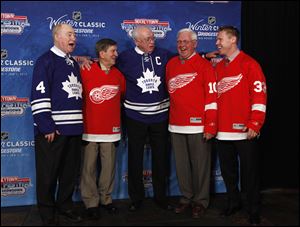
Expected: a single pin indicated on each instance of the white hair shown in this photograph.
(193, 34)
(136, 31)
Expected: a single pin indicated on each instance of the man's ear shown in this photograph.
(135, 42)
(195, 44)
(101, 54)
(234, 39)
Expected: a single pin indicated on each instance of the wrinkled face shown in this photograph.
(65, 39)
(185, 45)
(145, 40)
(225, 43)
(108, 57)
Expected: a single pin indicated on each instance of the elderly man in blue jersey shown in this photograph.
(56, 102)
(146, 109)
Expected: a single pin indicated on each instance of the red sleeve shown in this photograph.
(258, 96)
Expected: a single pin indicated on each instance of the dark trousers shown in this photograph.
(247, 151)
(158, 139)
(56, 162)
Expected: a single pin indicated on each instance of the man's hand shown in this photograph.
(251, 134)
(207, 136)
(212, 54)
(84, 62)
(50, 137)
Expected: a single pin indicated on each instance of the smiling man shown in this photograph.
(56, 102)
(103, 88)
(146, 109)
(242, 97)
(192, 122)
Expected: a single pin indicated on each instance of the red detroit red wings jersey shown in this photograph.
(101, 104)
(242, 97)
(191, 85)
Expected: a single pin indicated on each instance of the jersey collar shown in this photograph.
(58, 52)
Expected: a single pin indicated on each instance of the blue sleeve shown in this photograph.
(41, 96)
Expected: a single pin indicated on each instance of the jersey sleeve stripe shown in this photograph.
(40, 111)
(259, 107)
(40, 100)
(43, 105)
(63, 117)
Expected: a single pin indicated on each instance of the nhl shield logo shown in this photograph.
(4, 54)
(4, 135)
(211, 20)
(76, 15)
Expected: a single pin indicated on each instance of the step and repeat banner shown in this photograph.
(26, 34)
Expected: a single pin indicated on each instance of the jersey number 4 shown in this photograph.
(40, 87)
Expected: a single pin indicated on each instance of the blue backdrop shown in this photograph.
(26, 34)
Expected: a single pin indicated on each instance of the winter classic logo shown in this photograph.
(13, 67)
(12, 24)
(159, 28)
(205, 28)
(81, 28)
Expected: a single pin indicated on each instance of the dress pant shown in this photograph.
(57, 171)
(93, 193)
(193, 167)
(240, 155)
(158, 138)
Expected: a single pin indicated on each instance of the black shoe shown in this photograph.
(71, 216)
(254, 219)
(134, 206)
(92, 213)
(164, 205)
(50, 222)
(110, 208)
(230, 211)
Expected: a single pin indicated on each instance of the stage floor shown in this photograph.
(279, 208)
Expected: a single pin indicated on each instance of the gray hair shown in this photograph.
(57, 28)
(193, 34)
(136, 31)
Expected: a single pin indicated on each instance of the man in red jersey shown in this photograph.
(241, 113)
(103, 87)
(192, 121)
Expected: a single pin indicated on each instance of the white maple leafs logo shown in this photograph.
(228, 83)
(180, 81)
(73, 87)
(149, 82)
(105, 92)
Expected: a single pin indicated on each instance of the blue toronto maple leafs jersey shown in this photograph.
(56, 94)
(146, 97)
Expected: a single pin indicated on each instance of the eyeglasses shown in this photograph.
(184, 42)
(149, 39)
